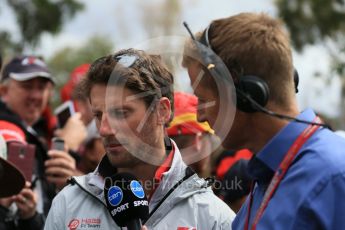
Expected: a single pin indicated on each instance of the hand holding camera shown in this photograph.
(60, 166)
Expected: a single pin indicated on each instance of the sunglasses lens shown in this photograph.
(126, 60)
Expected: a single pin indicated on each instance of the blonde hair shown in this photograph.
(253, 44)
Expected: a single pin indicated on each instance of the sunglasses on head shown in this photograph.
(126, 60)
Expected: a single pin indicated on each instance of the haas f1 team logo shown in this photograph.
(73, 224)
(84, 223)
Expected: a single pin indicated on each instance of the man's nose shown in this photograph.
(36, 93)
(105, 129)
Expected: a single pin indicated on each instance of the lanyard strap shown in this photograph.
(188, 173)
(280, 173)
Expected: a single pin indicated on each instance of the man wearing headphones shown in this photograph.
(299, 165)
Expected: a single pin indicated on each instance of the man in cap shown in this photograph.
(11, 179)
(26, 87)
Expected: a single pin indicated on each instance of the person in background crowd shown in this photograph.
(18, 201)
(232, 174)
(132, 128)
(91, 149)
(11, 179)
(12, 183)
(298, 165)
(196, 140)
(25, 90)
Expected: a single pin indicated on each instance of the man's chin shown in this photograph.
(31, 120)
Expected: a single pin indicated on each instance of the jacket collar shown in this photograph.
(94, 183)
(168, 178)
(168, 174)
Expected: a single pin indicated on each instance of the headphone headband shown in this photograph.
(205, 39)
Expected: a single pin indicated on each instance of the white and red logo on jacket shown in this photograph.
(186, 228)
(73, 224)
(84, 223)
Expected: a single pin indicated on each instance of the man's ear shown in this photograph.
(163, 110)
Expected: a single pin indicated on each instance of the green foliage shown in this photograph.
(312, 21)
(39, 16)
(319, 22)
(7, 46)
(65, 60)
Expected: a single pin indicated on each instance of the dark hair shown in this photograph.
(146, 74)
(78, 92)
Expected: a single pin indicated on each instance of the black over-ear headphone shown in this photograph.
(247, 86)
(252, 92)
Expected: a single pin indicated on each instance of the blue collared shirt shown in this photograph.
(312, 193)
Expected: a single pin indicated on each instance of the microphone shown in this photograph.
(126, 200)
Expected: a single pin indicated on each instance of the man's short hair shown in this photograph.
(147, 74)
(253, 44)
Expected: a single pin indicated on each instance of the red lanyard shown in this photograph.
(279, 174)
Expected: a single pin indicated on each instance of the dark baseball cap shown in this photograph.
(23, 68)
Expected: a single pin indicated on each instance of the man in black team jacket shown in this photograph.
(26, 86)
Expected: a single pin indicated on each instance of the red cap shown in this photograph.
(11, 132)
(77, 74)
(185, 120)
